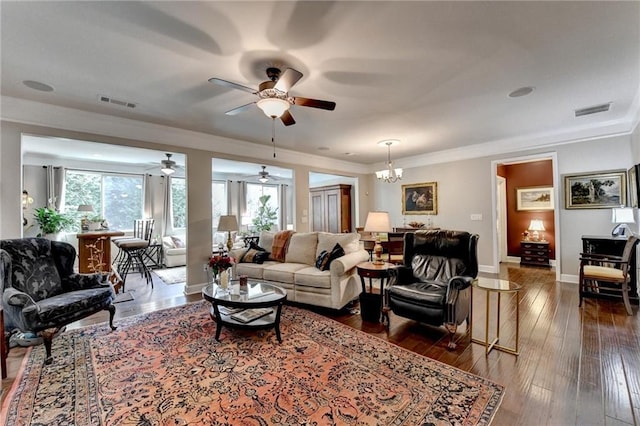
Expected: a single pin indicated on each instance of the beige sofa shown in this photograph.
(175, 250)
(333, 288)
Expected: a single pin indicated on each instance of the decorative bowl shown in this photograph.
(416, 224)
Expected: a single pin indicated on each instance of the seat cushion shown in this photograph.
(313, 277)
(430, 293)
(282, 272)
(58, 309)
(253, 270)
(603, 273)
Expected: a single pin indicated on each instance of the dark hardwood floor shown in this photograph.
(577, 366)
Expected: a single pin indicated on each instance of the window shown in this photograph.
(117, 198)
(254, 192)
(218, 201)
(179, 202)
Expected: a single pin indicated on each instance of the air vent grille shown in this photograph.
(593, 110)
(111, 100)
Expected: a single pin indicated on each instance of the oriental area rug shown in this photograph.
(165, 368)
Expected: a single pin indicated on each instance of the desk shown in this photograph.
(102, 240)
(491, 285)
(370, 302)
(606, 244)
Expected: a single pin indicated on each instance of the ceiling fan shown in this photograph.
(273, 94)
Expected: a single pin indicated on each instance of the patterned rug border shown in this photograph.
(492, 404)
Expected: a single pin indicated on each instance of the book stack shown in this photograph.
(249, 315)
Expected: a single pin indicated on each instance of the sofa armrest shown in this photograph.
(341, 265)
(460, 282)
(81, 281)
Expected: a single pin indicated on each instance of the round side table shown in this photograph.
(371, 303)
(493, 285)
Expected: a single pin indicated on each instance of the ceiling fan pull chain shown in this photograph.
(273, 135)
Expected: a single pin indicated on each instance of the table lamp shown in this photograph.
(228, 223)
(621, 217)
(84, 222)
(377, 222)
(536, 226)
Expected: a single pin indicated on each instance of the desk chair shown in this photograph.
(606, 274)
(395, 247)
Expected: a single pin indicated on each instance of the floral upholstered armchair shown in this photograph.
(40, 291)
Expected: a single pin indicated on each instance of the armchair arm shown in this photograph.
(599, 261)
(460, 282)
(12, 296)
(341, 265)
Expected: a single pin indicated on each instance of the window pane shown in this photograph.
(218, 201)
(82, 188)
(123, 197)
(179, 202)
(254, 192)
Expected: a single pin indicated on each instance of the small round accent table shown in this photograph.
(493, 285)
(371, 303)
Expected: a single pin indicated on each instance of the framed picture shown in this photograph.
(420, 198)
(602, 190)
(633, 175)
(534, 199)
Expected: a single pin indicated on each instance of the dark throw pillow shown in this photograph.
(261, 256)
(255, 254)
(336, 252)
(322, 259)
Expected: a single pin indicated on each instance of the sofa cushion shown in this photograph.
(266, 240)
(178, 242)
(282, 272)
(313, 277)
(302, 248)
(252, 270)
(167, 242)
(327, 241)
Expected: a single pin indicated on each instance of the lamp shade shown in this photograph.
(228, 223)
(622, 215)
(536, 225)
(85, 208)
(378, 222)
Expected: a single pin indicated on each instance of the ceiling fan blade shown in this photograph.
(240, 109)
(232, 85)
(288, 78)
(314, 103)
(287, 119)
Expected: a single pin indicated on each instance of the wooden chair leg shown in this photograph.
(625, 298)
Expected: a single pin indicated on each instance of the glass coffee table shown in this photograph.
(257, 307)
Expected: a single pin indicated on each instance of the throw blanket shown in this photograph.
(280, 244)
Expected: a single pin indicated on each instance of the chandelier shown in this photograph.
(390, 175)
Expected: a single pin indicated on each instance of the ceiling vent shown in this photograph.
(593, 109)
(110, 100)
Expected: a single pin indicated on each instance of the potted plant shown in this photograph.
(51, 222)
(265, 216)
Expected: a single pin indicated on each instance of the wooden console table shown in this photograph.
(100, 238)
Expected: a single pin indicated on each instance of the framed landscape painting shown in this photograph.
(534, 199)
(602, 190)
(420, 198)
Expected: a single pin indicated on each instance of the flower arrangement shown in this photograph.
(219, 263)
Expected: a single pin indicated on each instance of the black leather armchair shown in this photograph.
(40, 291)
(433, 285)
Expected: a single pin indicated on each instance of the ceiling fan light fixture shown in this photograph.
(273, 107)
(168, 165)
(263, 179)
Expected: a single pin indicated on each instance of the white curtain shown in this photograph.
(148, 197)
(167, 212)
(55, 187)
(282, 205)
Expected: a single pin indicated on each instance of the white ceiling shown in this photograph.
(435, 75)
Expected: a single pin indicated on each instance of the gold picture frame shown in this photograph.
(537, 198)
(420, 198)
(602, 190)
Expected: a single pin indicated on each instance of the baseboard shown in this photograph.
(568, 278)
(194, 288)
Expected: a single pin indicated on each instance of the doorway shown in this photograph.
(511, 178)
